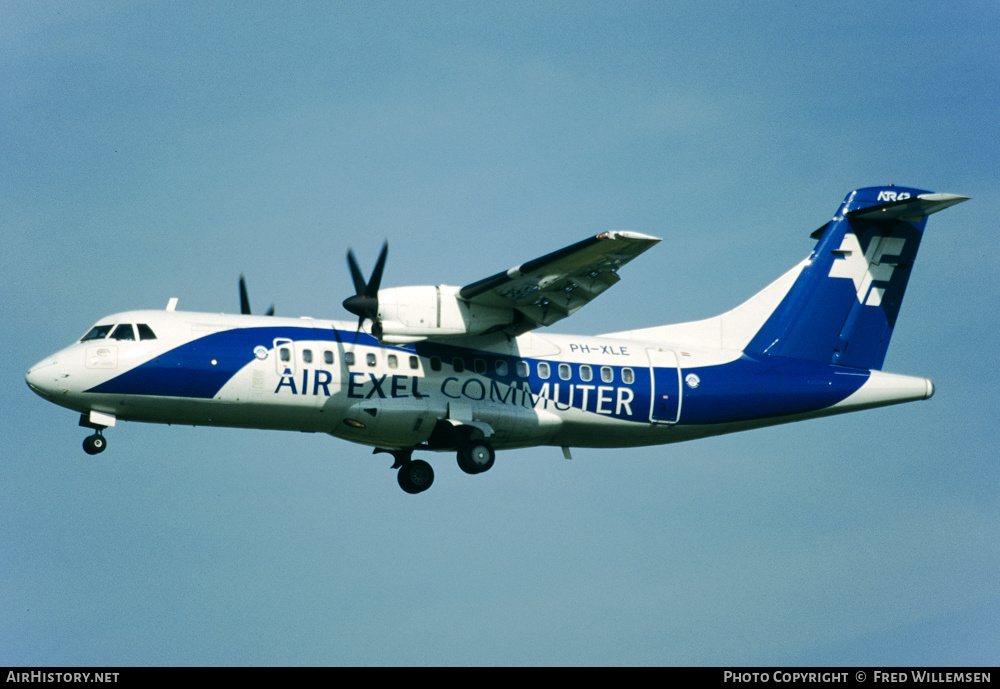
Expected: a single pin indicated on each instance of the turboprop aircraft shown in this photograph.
(468, 370)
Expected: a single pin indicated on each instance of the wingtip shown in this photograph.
(626, 234)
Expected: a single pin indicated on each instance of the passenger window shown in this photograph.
(586, 373)
(458, 364)
(543, 370)
(286, 354)
(564, 372)
(522, 369)
(435, 363)
(627, 376)
(480, 366)
(145, 332)
(393, 361)
(123, 332)
(370, 359)
(349, 358)
(607, 375)
(414, 363)
(501, 367)
(328, 357)
(97, 333)
(307, 356)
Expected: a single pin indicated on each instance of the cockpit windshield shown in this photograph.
(99, 332)
(123, 332)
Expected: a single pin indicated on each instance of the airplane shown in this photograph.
(467, 369)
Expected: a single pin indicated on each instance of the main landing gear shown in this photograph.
(476, 456)
(416, 475)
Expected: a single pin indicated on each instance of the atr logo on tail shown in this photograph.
(875, 266)
(892, 196)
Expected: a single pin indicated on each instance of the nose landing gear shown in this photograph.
(95, 444)
(96, 421)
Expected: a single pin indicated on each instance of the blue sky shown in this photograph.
(153, 150)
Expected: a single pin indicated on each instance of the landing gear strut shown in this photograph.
(414, 475)
(95, 444)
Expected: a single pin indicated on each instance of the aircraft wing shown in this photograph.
(549, 288)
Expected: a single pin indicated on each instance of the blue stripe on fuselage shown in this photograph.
(747, 388)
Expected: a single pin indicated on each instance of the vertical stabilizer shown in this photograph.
(843, 307)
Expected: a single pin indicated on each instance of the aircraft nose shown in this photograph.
(43, 378)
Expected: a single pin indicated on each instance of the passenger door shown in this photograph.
(665, 386)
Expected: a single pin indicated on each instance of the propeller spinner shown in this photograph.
(364, 303)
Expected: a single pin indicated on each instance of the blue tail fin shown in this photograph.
(843, 307)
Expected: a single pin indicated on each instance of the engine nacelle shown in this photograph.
(411, 314)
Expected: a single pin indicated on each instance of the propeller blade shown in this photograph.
(359, 280)
(364, 302)
(376, 280)
(244, 299)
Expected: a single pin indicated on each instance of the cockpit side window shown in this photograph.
(123, 332)
(145, 332)
(98, 332)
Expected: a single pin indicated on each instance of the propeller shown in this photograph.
(245, 300)
(364, 303)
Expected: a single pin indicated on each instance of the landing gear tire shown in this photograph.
(476, 457)
(94, 444)
(415, 476)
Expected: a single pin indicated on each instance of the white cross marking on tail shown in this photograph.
(864, 269)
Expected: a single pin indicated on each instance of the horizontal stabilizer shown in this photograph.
(909, 209)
